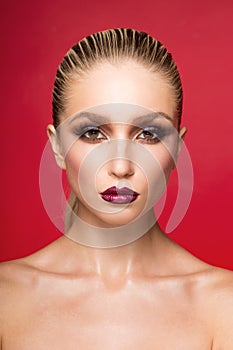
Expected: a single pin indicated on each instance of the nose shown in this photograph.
(119, 164)
(120, 168)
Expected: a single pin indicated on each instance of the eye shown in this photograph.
(92, 135)
(150, 135)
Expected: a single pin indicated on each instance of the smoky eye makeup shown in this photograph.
(89, 132)
(147, 135)
(153, 134)
(150, 128)
(159, 132)
(82, 129)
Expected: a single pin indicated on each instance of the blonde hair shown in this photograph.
(113, 45)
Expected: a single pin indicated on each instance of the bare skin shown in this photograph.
(149, 294)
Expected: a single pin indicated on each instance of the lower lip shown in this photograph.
(119, 199)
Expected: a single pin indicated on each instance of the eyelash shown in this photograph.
(84, 131)
(155, 134)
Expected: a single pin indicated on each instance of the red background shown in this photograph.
(34, 37)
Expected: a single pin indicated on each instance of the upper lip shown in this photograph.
(122, 191)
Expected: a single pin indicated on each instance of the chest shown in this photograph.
(96, 319)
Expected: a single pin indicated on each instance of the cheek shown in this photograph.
(81, 168)
(167, 165)
(158, 174)
(165, 158)
(73, 162)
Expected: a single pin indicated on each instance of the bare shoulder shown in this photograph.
(221, 286)
(14, 282)
(15, 275)
(25, 274)
(20, 281)
(219, 298)
(12, 272)
(224, 284)
(212, 289)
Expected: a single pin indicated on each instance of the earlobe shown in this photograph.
(53, 138)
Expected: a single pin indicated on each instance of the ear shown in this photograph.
(53, 138)
(182, 134)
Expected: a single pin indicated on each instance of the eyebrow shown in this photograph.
(100, 120)
(151, 116)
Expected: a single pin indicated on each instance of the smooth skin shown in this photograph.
(149, 294)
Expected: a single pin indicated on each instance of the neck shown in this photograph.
(111, 237)
(117, 253)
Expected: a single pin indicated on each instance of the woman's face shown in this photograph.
(119, 140)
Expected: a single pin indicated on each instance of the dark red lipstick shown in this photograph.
(117, 195)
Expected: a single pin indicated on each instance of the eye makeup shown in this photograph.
(152, 134)
(91, 134)
(148, 134)
(151, 128)
(88, 131)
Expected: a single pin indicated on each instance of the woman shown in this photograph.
(117, 106)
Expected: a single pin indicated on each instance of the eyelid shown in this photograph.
(159, 130)
(83, 129)
(152, 129)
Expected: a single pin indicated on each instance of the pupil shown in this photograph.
(92, 133)
(148, 134)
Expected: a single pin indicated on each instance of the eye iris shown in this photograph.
(92, 134)
(149, 135)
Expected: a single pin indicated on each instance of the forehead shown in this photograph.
(125, 83)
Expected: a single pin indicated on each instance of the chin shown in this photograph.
(123, 217)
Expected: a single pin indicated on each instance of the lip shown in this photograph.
(118, 195)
